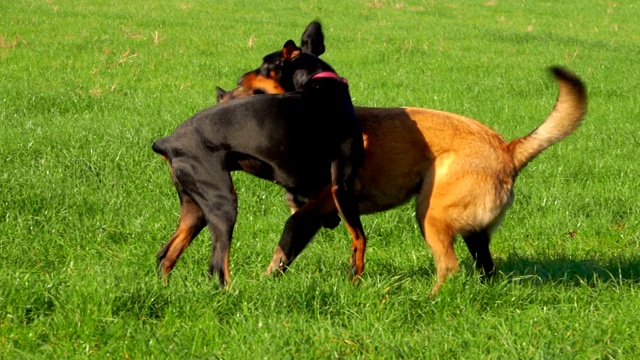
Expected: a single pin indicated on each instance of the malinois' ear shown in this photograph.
(312, 41)
(290, 51)
(220, 93)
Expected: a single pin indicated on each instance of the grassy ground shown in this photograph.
(86, 86)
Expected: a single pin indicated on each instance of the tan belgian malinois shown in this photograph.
(461, 172)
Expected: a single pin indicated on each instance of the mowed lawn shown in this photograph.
(87, 86)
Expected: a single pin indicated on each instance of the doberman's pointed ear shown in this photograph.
(312, 41)
(220, 93)
(290, 51)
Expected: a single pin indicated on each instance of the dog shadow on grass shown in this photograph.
(567, 270)
(539, 270)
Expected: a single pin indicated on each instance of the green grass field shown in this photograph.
(87, 86)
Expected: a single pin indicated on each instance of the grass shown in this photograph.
(86, 86)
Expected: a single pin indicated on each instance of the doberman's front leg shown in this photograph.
(295, 202)
(343, 173)
(300, 229)
(348, 207)
(329, 221)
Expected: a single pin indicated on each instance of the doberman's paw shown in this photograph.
(278, 264)
(353, 273)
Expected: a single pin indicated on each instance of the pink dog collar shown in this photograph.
(329, 74)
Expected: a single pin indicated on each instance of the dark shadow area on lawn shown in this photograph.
(565, 269)
(561, 268)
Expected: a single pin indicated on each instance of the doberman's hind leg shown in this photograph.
(221, 219)
(209, 185)
(220, 210)
(189, 226)
(478, 245)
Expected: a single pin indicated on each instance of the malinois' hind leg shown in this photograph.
(190, 224)
(478, 245)
(439, 235)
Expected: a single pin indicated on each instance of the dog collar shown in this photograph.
(329, 74)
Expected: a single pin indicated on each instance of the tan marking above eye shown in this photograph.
(267, 85)
(248, 79)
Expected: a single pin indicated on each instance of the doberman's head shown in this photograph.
(285, 70)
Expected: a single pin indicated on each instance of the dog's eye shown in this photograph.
(258, 92)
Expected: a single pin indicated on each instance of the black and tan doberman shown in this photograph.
(308, 141)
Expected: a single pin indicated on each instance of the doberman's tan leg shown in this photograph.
(349, 211)
(190, 224)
